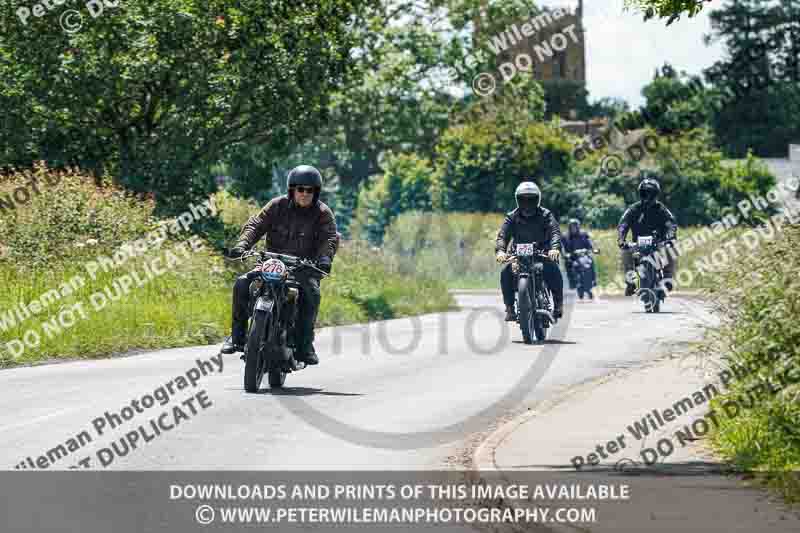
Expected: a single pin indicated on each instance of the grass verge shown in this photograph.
(758, 297)
(83, 313)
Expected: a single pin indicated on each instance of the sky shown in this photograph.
(623, 51)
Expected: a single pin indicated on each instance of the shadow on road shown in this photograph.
(305, 391)
(659, 313)
(685, 468)
(548, 341)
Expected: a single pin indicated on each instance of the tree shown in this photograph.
(763, 43)
(667, 9)
(404, 186)
(482, 158)
(675, 102)
(606, 107)
(154, 92)
(404, 92)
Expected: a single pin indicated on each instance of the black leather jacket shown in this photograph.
(641, 220)
(542, 228)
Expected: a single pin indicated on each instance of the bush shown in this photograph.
(759, 300)
(405, 185)
(69, 212)
(189, 304)
(480, 164)
(604, 211)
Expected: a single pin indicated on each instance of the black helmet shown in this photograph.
(649, 189)
(528, 197)
(306, 176)
(574, 222)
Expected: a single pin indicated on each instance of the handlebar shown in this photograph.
(291, 260)
(632, 245)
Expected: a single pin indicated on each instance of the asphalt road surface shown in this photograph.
(399, 394)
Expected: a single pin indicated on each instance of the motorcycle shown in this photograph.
(649, 272)
(581, 269)
(534, 300)
(274, 304)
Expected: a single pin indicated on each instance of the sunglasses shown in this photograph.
(308, 190)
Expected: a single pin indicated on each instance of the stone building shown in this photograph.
(543, 38)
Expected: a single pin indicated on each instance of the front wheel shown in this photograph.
(541, 324)
(254, 359)
(277, 377)
(526, 311)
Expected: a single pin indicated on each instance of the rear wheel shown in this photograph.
(525, 309)
(254, 358)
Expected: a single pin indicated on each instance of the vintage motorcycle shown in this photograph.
(649, 272)
(581, 263)
(534, 300)
(271, 338)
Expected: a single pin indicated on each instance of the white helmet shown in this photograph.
(528, 197)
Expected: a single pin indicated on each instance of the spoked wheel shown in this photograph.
(648, 294)
(526, 313)
(276, 373)
(649, 300)
(254, 360)
(541, 324)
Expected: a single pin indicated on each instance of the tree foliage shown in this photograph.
(762, 69)
(156, 91)
(671, 10)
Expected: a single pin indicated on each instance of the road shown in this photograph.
(401, 394)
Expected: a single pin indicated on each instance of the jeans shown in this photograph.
(551, 274)
(309, 306)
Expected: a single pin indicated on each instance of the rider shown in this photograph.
(575, 239)
(530, 223)
(296, 224)
(643, 219)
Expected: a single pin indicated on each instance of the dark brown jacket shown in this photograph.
(308, 232)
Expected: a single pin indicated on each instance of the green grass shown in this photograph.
(189, 304)
(758, 298)
(431, 245)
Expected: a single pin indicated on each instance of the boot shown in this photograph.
(511, 315)
(630, 289)
(558, 308)
(237, 340)
(308, 356)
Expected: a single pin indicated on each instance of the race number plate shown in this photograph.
(273, 270)
(525, 249)
(645, 241)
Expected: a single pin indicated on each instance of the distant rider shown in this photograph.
(530, 223)
(643, 219)
(296, 224)
(576, 239)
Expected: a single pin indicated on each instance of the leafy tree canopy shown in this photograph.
(154, 92)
